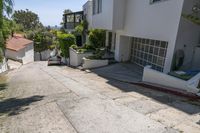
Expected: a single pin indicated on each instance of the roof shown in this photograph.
(17, 43)
(78, 12)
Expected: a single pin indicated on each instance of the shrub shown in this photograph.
(97, 38)
(89, 47)
(66, 41)
(75, 47)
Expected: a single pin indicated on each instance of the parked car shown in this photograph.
(56, 60)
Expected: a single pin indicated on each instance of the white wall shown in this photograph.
(155, 77)
(76, 59)
(188, 34)
(112, 16)
(3, 66)
(158, 21)
(119, 15)
(45, 55)
(87, 8)
(29, 54)
(25, 55)
(104, 20)
(187, 40)
(15, 55)
(123, 48)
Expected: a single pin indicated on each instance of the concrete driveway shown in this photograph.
(125, 72)
(40, 99)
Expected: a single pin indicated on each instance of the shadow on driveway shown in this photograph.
(14, 106)
(183, 104)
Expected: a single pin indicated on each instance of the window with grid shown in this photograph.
(149, 52)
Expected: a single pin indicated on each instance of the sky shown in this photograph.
(49, 11)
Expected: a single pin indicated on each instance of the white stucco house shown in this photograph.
(150, 32)
(141, 28)
(20, 49)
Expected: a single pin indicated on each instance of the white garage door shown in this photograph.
(149, 52)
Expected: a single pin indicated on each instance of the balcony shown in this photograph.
(71, 20)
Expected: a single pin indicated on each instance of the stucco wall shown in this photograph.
(188, 34)
(104, 20)
(29, 54)
(15, 55)
(158, 21)
(87, 8)
(155, 77)
(25, 55)
(123, 46)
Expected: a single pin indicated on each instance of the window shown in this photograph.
(149, 52)
(97, 6)
(155, 1)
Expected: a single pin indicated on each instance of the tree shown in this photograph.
(43, 40)
(5, 6)
(97, 38)
(66, 41)
(28, 19)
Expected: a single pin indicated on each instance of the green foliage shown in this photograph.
(97, 38)
(66, 41)
(82, 28)
(54, 45)
(192, 18)
(75, 47)
(98, 54)
(86, 48)
(28, 19)
(1, 58)
(7, 29)
(79, 30)
(1, 55)
(7, 6)
(42, 41)
(89, 47)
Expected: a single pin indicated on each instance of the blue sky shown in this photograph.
(49, 11)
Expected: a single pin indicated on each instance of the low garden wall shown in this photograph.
(159, 78)
(88, 63)
(76, 59)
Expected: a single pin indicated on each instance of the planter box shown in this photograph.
(88, 63)
(76, 59)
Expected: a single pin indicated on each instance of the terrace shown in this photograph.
(71, 20)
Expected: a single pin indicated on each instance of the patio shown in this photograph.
(126, 72)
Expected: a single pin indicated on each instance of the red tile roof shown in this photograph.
(17, 43)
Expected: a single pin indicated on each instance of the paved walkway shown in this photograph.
(126, 72)
(41, 99)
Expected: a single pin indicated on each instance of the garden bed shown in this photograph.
(76, 58)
